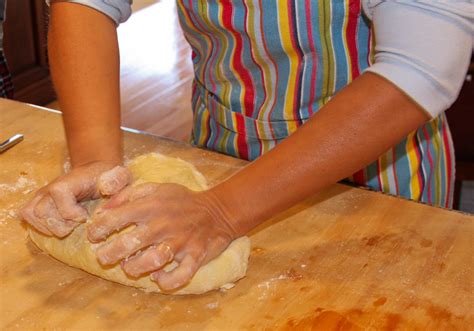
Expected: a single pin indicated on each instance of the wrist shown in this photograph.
(102, 164)
(101, 143)
(219, 211)
(233, 212)
(79, 159)
(81, 156)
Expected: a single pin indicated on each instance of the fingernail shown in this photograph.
(80, 219)
(95, 234)
(103, 259)
(100, 232)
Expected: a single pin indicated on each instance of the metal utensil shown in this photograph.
(10, 142)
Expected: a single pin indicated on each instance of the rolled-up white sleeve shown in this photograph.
(118, 10)
(423, 47)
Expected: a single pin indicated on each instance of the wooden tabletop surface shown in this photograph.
(346, 258)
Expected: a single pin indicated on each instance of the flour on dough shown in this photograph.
(76, 251)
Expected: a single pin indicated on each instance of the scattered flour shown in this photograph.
(267, 286)
(23, 183)
(227, 286)
(9, 212)
(67, 166)
(212, 305)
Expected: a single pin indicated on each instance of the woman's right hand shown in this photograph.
(55, 209)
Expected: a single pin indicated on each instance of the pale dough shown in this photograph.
(76, 251)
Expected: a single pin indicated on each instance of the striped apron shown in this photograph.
(263, 68)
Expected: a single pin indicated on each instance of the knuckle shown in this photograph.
(57, 189)
(159, 258)
(124, 173)
(113, 180)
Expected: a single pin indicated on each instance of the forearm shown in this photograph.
(84, 60)
(364, 120)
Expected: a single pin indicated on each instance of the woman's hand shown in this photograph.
(171, 223)
(55, 209)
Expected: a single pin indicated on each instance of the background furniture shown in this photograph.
(25, 31)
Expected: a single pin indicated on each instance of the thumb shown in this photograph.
(113, 181)
(66, 203)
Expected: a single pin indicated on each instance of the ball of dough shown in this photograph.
(76, 251)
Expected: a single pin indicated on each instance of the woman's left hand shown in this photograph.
(171, 223)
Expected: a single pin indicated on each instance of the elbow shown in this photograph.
(434, 86)
(451, 76)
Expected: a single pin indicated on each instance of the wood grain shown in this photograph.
(345, 259)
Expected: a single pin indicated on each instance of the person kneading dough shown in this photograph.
(311, 92)
(147, 171)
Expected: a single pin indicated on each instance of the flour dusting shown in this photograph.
(22, 184)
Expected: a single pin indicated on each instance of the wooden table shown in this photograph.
(347, 258)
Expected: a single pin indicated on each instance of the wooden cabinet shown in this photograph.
(25, 33)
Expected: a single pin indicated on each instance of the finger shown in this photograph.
(131, 193)
(66, 204)
(28, 214)
(106, 222)
(60, 228)
(151, 259)
(124, 245)
(112, 181)
(180, 276)
(46, 211)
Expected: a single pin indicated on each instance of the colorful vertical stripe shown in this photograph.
(264, 67)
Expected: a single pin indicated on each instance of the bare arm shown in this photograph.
(196, 227)
(360, 123)
(84, 62)
(84, 58)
